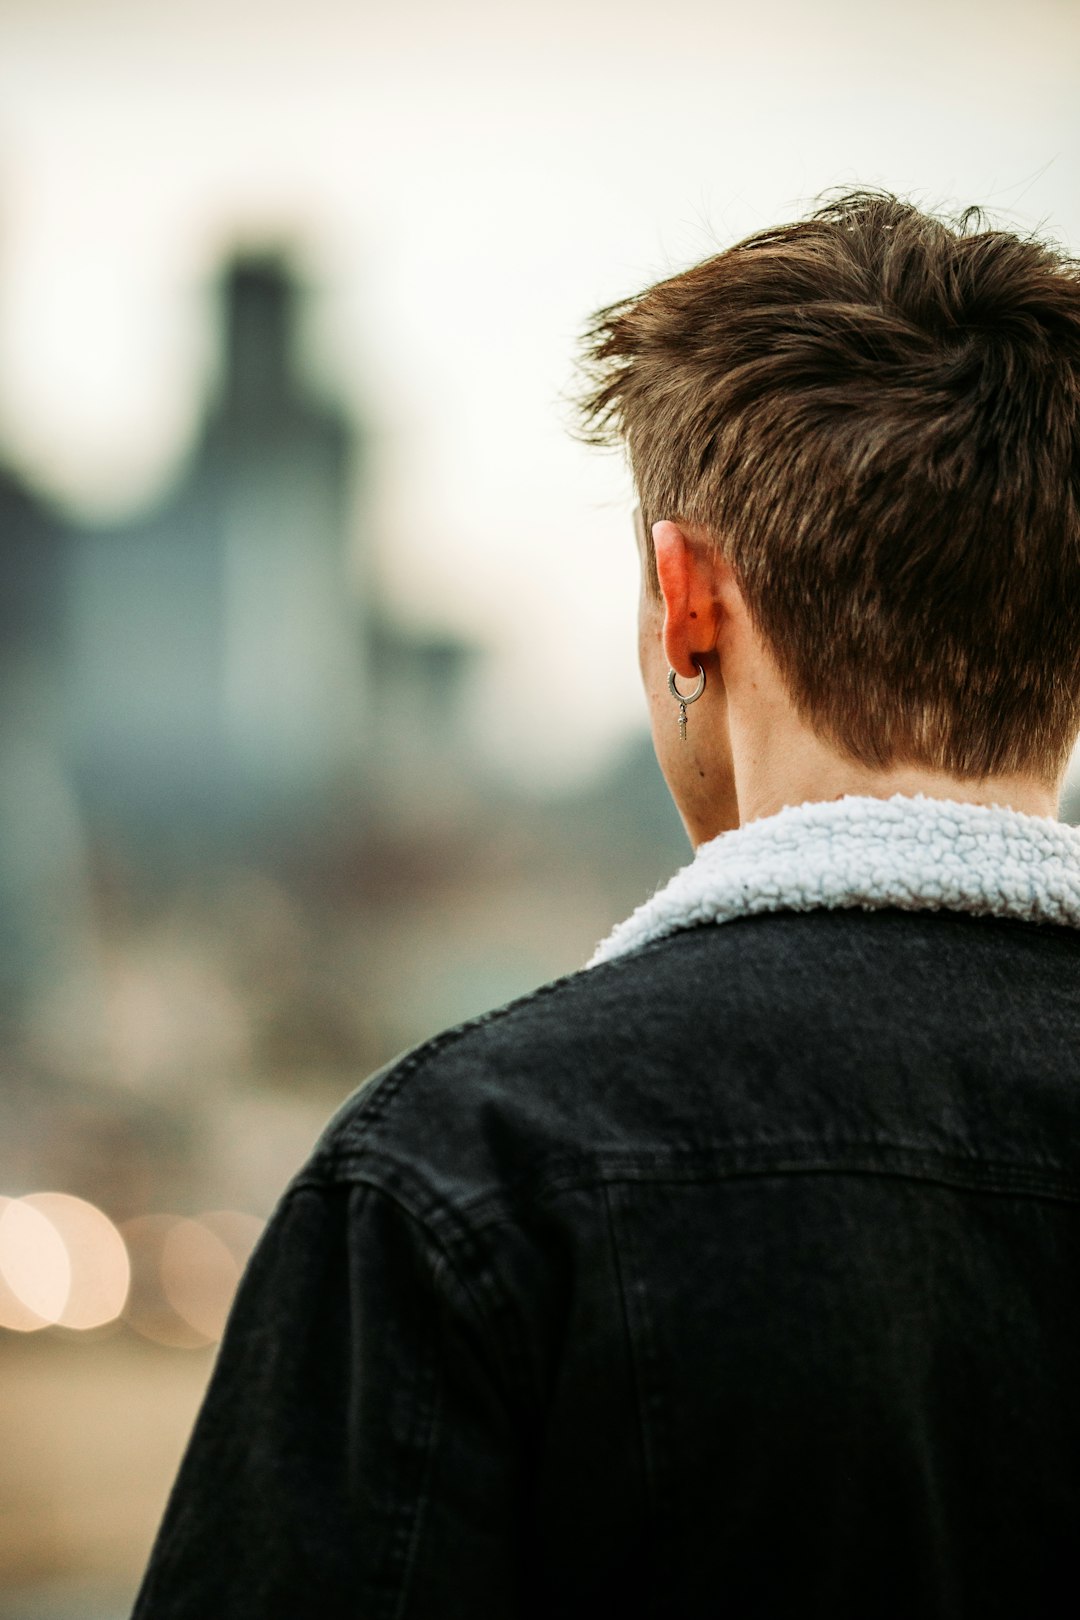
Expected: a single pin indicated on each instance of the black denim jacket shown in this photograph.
(739, 1276)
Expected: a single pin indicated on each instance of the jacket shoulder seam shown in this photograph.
(369, 1106)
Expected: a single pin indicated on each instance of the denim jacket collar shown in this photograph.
(911, 852)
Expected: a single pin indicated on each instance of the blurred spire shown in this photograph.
(258, 301)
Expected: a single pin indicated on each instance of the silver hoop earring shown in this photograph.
(690, 697)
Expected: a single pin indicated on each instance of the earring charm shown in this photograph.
(683, 699)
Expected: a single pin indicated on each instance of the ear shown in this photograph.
(686, 581)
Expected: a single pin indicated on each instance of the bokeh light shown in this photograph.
(238, 1230)
(185, 1273)
(35, 1266)
(100, 1272)
(199, 1274)
(62, 1263)
(149, 1310)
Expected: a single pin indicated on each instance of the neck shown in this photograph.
(759, 798)
(782, 763)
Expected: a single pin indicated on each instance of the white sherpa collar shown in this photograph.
(907, 851)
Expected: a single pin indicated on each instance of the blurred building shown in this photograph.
(43, 902)
(212, 657)
(243, 837)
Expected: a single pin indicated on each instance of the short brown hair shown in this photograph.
(875, 414)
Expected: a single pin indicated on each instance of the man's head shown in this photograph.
(873, 415)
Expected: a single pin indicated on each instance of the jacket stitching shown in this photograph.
(498, 1208)
(480, 1289)
(461, 1221)
(648, 1460)
(405, 1517)
(410, 1532)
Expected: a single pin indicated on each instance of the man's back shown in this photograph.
(738, 1275)
(843, 1306)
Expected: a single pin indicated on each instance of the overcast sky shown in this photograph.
(467, 181)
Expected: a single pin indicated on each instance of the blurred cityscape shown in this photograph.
(247, 853)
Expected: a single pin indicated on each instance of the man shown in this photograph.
(740, 1273)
